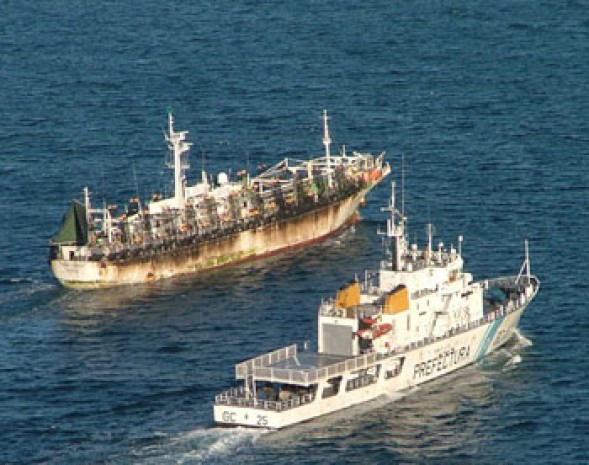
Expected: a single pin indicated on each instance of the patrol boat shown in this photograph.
(213, 222)
(417, 318)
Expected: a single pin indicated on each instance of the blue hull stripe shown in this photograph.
(489, 336)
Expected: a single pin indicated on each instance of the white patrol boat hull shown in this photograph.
(427, 361)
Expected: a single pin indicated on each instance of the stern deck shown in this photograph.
(300, 373)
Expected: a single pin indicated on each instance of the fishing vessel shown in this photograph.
(417, 318)
(214, 222)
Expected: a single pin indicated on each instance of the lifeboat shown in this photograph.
(381, 330)
(375, 331)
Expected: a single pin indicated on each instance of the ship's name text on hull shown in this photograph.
(443, 361)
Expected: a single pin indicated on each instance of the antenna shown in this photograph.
(137, 190)
(525, 264)
(403, 186)
(87, 205)
(106, 221)
(203, 171)
(527, 261)
(178, 146)
(326, 143)
(430, 230)
(326, 138)
(395, 234)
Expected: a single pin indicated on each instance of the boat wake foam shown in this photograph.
(335, 425)
(509, 357)
(341, 239)
(519, 341)
(203, 445)
(512, 362)
(512, 350)
(16, 280)
(17, 288)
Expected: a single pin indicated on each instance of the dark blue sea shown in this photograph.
(486, 102)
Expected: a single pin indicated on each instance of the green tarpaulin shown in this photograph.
(74, 227)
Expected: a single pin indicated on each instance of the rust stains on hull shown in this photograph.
(207, 253)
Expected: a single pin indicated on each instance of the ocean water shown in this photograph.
(487, 103)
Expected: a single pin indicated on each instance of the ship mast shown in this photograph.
(178, 145)
(396, 233)
(525, 266)
(326, 143)
(87, 205)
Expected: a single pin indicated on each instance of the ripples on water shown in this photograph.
(488, 104)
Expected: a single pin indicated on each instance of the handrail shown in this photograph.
(247, 367)
(226, 398)
(260, 370)
(240, 397)
(308, 377)
(314, 376)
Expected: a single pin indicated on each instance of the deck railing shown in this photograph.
(261, 371)
(244, 368)
(239, 399)
(313, 376)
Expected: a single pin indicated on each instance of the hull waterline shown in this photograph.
(269, 239)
